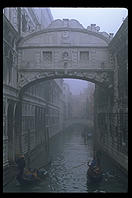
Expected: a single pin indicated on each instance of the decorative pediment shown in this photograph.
(67, 31)
(68, 23)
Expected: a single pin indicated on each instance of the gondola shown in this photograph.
(42, 173)
(29, 180)
(26, 181)
(94, 174)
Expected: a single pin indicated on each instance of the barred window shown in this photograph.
(47, 57)
(84, 56)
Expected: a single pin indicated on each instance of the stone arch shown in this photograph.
(104, 79)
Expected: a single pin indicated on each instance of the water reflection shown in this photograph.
(67, 171)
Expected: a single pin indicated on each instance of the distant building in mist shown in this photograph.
(83, 104)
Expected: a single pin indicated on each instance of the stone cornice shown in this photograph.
(62, 46)
(68, 69)
(99, 35)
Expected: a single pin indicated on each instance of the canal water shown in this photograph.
(67, 169)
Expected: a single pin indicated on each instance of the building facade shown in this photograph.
(111, 105)
(67, 104)
(83, 103)
(28, 20)
(33, 107)
(32, 118)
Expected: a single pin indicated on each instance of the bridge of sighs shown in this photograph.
(65, 50)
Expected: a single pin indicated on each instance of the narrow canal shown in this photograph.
(67, 171)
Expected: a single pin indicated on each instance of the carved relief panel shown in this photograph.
(65, 37)
(57, 55)
(74, 58)
(62, 57)
(93, 57)
(38, 58)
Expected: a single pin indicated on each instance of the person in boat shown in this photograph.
(94, 169)
(93, 164)
(31, 174)
(20, 161)
(28, 174)
(97, 170)
(35, 174)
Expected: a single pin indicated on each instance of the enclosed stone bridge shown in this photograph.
(78, 121)
(65, 50)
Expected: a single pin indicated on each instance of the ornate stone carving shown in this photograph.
(105, 78)
(95, 76)
(65, 37)
(56, 56)
(74, 57)
(65, 34)
(38, 58)
(65, 55)
(72, 23)
(93, 28)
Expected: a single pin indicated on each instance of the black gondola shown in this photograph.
(26, 179)
(42, 173)
(94, 174)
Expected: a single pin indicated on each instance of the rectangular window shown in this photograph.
(47, 57)
(84, 56)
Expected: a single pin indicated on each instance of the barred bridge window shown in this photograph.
(47, 57)
(84, 56)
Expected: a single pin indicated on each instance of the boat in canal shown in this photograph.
(94, 174)
(89, 135)
(94, 177)
(28, 179)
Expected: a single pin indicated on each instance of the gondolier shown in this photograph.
(94, 171)
(20, 161)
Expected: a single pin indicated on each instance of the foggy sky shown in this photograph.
(76, 86)
(108, 19)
